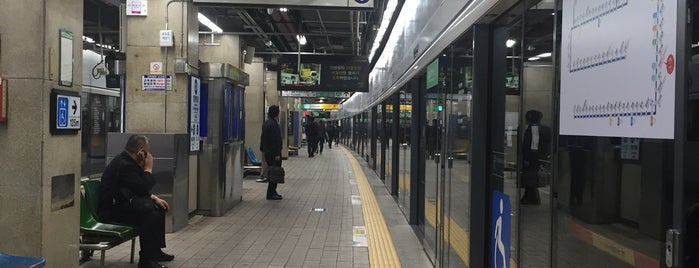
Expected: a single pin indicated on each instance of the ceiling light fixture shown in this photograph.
(208, 23)
(544, 55)
(302, 39)
(510, 43)
(534, 58)
(283, 9)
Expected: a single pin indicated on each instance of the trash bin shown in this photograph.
(9, 261)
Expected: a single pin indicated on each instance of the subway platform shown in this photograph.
(335, 213)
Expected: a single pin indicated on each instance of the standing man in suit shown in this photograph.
(312, 136)
(535, 147)
(271, 146)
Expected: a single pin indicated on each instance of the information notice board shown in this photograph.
(618, 68)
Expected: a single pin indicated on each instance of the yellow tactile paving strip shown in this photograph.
(382, 251)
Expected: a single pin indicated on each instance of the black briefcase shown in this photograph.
(275, 174)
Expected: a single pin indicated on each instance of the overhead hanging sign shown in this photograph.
(323, 74)
(356, 4)
(320, 106)
(618, 68)
(316, 94)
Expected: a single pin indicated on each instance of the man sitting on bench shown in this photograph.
(124, 197)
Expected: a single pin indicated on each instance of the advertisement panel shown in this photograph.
(324, 74)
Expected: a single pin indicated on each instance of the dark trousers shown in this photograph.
(152, 233)
(330, 142)
(531, 196)
(271, 162)
(320, 143)
(530, 179)
(149, 225)
(312, 146)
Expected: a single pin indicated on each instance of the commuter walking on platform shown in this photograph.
(312, 136)
(322, 136)
(535, 148)
(271, 147)
(331, 134)
(125, 197)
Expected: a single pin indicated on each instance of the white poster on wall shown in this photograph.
(618, 68)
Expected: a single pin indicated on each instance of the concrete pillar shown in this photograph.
(31, 155)
(255, 113)
(222, 49)
(160, 111)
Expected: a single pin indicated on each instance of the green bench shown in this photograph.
(95, 235)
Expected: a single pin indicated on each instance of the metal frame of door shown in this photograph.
(680, 205)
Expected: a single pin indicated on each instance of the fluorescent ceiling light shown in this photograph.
(544, 55)
(534, 58)
(510, 43)
(302, 39)
(385, 20)
(208, 23)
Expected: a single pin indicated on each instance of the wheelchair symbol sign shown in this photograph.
(500, 231)
(62, 113)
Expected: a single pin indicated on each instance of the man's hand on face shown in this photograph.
(148, 162)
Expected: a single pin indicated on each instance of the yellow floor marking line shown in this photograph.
(382, 251)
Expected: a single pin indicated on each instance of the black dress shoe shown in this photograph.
(274, 197)
(278, 195)
(150, 264)
(165, 257)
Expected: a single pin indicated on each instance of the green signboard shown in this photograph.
(433, 74)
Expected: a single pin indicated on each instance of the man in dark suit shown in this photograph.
(124, 197)
(535, 147)
(312, 136)
(271, 146)
(331, 134)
